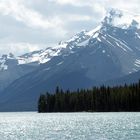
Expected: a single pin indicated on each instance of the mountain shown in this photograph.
(107, 54)
(12, 68)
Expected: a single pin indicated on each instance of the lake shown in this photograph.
(69, 126)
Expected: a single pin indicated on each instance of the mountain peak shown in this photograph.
(11, 55)
(122, 19)
(111, 15)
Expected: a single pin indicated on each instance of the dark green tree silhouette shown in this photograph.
(119, 98)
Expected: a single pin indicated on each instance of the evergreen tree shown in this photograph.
(42, 104)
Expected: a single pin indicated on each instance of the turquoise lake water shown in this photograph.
(69, 126)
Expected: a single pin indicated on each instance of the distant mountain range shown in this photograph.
(108, 54)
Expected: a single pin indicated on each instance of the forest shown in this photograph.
(98, 99)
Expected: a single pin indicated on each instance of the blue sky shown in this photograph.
(28, 25)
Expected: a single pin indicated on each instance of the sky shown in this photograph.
(28, 25)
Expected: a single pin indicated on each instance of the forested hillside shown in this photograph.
(103, 99)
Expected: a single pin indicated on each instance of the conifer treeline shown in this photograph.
(103, 99)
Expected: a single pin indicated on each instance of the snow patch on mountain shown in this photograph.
(4, 59)
(3, 66)
(40, 57)
(92, 32)
(137, 63)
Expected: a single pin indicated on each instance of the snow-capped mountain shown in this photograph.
(108, 52)
(13, 67)
(36, 57)
(43, 56)
(10, 70)
(40, 57)
(122, 19)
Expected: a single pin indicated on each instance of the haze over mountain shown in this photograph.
(104, 55)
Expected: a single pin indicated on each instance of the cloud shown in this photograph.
(97, 5)
(72, 2)
(21, 47)
(101, 5)
(122, 4)
(29, 17)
